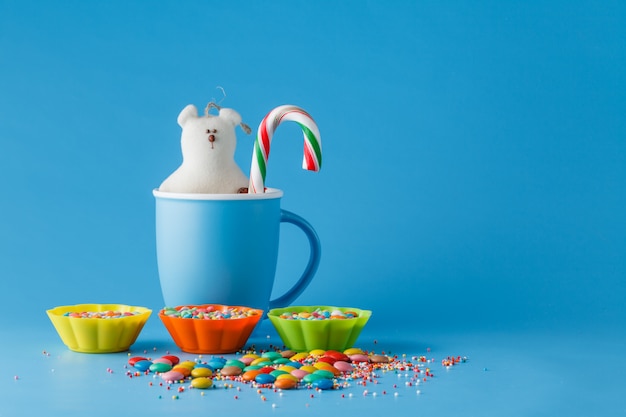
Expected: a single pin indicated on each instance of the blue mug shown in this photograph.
(223, 248)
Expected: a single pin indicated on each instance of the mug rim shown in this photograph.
(270, 193)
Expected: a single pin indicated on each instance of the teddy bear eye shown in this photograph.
(211, 131)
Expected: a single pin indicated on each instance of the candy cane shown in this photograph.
(312, 159)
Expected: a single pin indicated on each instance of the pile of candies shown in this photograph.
(209, 312)
(319, 314)
(109, 314)
(284, 370)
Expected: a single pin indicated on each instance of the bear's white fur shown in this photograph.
(208, 146)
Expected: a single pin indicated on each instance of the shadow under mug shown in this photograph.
(223, 248)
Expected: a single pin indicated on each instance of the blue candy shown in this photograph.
(142, 365)
(265, 378)
(216, 364)
(323, 384)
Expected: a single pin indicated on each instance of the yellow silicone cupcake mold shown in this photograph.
(98, 335)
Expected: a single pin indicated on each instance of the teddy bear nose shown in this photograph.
(211, 133)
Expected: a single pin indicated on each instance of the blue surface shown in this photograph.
(472, 193)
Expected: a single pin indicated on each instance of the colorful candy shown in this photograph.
(172, 376)
(312, 159)
(160, 367)
(202, 383)
(109, 314)
(318, 369)
(319, 314)
(208, 313)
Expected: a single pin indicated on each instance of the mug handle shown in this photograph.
(314, 259)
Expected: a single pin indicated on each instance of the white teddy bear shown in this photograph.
(208, 146)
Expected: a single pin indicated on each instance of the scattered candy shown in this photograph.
(201, 382)
(318, 370)
(142, 365)
(172, 376)
(160, 367)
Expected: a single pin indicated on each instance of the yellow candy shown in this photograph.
(352, 351)
(308, 368)
(258, 361)
(187, 364)
(304, 315)
(287, 376)
(286, 368)
(201, 383)
(299, 356)
(324, 366)
(317, 352)
(201, 372)
(251, 356)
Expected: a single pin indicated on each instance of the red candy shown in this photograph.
(134, 360)
(338, 356)
(172, 358)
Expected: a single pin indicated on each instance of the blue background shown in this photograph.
(472, 192)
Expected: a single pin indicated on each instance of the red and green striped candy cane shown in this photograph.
(312, 159)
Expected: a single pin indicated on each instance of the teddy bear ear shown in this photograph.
(186, 113)
(231, 115)
(234, 117)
